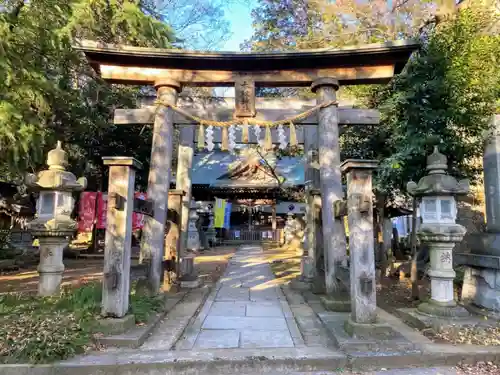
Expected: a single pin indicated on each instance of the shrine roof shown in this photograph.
(395, 53)
(208, 167)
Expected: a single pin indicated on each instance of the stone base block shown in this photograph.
(451, 311)
(115, 326)
(480, 311)
(306, 267)
(377, 330)
(340, 304)
(191, 284)
(421, 321)
(482, 287)
(300, 284)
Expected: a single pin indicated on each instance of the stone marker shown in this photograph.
(482, 276)
(361, 242)
(118, 240)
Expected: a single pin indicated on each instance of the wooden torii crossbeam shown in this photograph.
(222, 109)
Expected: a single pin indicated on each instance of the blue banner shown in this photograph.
(227, 215)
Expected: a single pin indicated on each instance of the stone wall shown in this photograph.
(471, 214)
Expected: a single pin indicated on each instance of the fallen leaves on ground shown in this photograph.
(476, 335)
(481, 368)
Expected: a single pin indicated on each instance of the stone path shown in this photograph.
(246, 310)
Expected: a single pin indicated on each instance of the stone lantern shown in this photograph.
(53, 224)
(439, 231)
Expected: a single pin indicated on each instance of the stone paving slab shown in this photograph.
(244, 301)
(266, 339)
(246, 322)
(257, 309)
(218, 339)
(228, 308)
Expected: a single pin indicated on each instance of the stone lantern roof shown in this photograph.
(56, 177)
(438, 182)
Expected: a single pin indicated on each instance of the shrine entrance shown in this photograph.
(203, 124)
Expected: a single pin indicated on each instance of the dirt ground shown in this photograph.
(210, 265)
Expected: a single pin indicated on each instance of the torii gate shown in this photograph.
(323, 70)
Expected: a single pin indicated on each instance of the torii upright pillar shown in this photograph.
(153, 234)
(330, 182)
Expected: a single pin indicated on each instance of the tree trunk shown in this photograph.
(379, 233)
(414, 253)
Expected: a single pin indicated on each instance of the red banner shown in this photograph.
(138, 219)
(86, 213)
(102, 210)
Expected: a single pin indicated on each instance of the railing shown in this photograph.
(252, 235)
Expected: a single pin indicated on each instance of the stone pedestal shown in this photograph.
(189, 276)
(441, 239)
(118, 240)
(51, 267)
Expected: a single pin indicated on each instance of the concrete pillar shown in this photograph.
(153, 233)
(330, 181)
(183, 178)
(361, 241)
(118, 240)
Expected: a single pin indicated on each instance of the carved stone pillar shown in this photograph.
(361, 241)
(153, 235)
(118, 241)
(330, 181)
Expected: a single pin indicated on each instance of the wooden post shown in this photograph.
(183, 180)
(118, 240)
(361, 241)
(313, 208)
(153, 234)
(330, 181)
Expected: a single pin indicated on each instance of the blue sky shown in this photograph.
(239, 15)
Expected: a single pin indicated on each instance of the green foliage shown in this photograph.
(446, 96)
(48, 93)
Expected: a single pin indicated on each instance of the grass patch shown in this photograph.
(42, 330)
